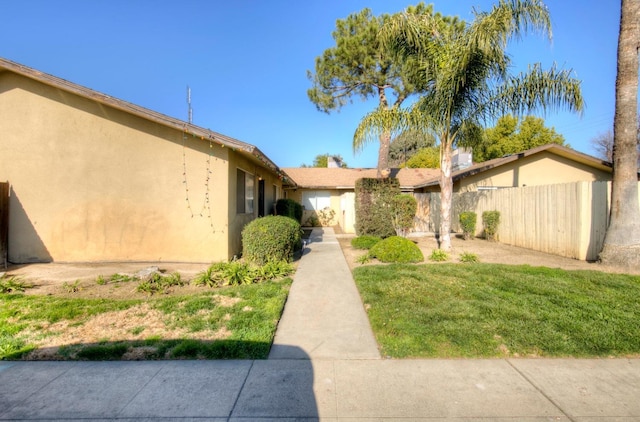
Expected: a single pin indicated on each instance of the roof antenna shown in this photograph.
(189, 104)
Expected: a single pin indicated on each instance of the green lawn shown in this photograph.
(246, 316)
(486, 310)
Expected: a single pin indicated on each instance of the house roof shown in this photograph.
(341, 178)
(556, 149)
(145, 113)
(345, 178)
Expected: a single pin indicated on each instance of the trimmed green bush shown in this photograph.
(364, 242)
(490, 222)
(396, 249)
(271, 238)
(438, 255)
(403, 207)
(374, 199)
(289, 208)
(468, 222)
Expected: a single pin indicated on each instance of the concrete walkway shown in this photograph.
(332, 390)
(324, 316)
(318, 371)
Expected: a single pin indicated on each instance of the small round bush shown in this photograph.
(271, 238)
(468, 223)
(396, 249)
(364, 242)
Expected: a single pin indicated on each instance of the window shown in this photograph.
(316, 200)
(244, 192)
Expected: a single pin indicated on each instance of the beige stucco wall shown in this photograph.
(342, 208)
(543, 168)
(238, 221)
(92, 183)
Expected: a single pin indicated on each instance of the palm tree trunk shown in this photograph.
(622, 240)
(383, 155)
(446, 194)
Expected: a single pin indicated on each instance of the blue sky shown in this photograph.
(246, 62)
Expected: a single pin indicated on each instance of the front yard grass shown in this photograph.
(236, 322)
(490, 310)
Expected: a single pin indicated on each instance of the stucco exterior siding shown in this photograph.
(543, 168)
(93, 183)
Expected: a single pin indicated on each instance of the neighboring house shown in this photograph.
(318, 188)
(94, 178)
(545, 165)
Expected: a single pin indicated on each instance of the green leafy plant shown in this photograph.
(363, 259)
(122, 278)
(396, 249)
(403, 208)
(271, 238)
(211, 277)
(364, 242)
(312, 221)
(159, 283)
(469, 257)
(490, 222)
(438, 255)
(373, 206)
(273, 270)
(101, 281)
(12, 284)
(236, 273)
(289, 208)
(71, 287)
(468, 222)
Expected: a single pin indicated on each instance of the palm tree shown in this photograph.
(622, 240)
(465, 70)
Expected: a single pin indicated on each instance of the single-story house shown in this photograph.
(544, 165)
(95, 178)
(318, 188)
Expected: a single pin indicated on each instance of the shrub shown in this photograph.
(396, 249)
(159, 283)
(364, 242)
(12, 284)
(469, 257)
(468, 223)
(490, 222)
(235, 272)
(271, 238)
(289, 208)
(404, 207)
(438, 255)
(374, 198)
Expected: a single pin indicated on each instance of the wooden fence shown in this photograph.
(4, 224)
(566, 219)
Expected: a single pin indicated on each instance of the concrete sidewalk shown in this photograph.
(324, 316)
(505, 390)
(324, 365)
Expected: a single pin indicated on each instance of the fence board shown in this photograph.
(4, 223)
(565, 219)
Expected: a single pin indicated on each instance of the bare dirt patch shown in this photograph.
(487, 252)
(81, 279)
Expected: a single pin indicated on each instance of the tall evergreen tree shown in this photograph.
(359, 65)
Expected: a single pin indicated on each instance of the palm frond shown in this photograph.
(378, 122)
(550, 89)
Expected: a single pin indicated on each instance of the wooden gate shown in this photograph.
(4, 224)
